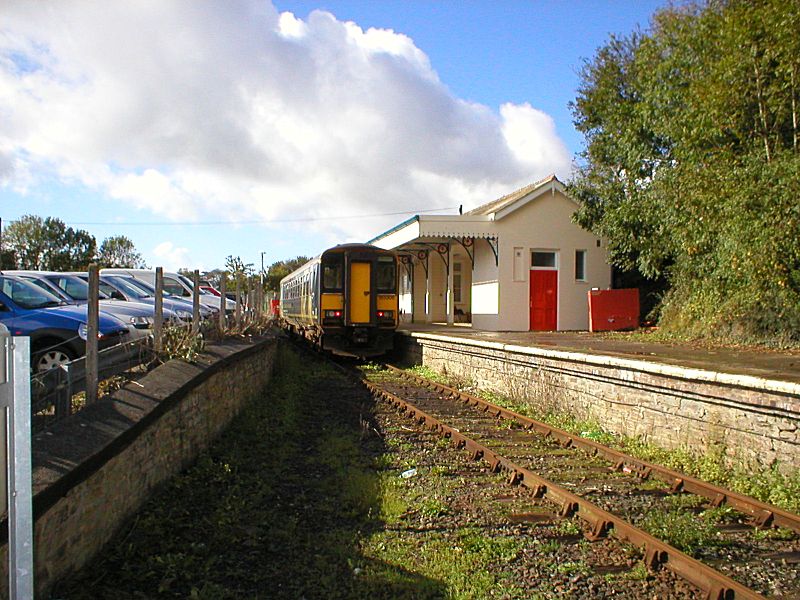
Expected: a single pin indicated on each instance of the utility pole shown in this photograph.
(262, 265)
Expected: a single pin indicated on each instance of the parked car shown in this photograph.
(75, 290)
(123, 287)
(187, 302)
(174, 283)
(57, 330)
(206, 286)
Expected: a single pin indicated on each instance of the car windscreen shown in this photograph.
(188, 282)
(27, 295)
(75, 287)
(47, 287)
(128, 289)
(150, 290)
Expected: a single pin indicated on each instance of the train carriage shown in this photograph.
(344, 300)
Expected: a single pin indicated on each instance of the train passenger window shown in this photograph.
(333, 274)
(386, 277)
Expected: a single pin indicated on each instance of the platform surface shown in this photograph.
(766, 364)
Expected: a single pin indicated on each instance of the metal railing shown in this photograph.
(52, 391)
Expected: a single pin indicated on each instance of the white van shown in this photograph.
(175, 284)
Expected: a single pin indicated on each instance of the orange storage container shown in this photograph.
(613, 310)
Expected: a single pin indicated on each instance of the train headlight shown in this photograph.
(386, 316)
(333, 314)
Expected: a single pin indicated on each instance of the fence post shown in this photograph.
(238, 303)
(64, 395)
(92, 331)
(158, 317)
(195, 301)
(15, 398)
(223, 301)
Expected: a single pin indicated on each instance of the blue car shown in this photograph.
(57, 330)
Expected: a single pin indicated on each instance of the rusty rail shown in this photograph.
(714, 584)
(763, 514)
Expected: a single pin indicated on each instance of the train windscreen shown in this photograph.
(333, 273)
(386, 277)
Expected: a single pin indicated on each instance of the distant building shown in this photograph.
(518, 263)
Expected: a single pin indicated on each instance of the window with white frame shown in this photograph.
(580, 265)
(543, 259)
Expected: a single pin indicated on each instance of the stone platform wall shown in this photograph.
(755, 420)
(95, 469)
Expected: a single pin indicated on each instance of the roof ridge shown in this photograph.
(495, 205)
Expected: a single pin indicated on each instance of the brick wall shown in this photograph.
(95, 469)
(754, 420)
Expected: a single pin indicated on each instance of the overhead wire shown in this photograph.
(258, 222)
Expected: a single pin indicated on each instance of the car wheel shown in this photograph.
(50, 359)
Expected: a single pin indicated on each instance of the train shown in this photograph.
(344, 300)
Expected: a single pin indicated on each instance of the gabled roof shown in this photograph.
(522, 195)
(476, 223)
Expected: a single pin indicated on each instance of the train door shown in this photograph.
(360, 277)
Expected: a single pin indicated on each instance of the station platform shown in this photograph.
(759, 363)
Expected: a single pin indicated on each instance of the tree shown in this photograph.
(691, 161)
(48, 244)
(238, 272)
(279, 270)
(119, 251)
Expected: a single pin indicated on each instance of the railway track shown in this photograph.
(733, 546)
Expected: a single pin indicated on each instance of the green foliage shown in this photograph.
(180, 342)
(118, 251)
(690, 167)
(48, 244)
(279, 270)
(238, 272)
(683, 530)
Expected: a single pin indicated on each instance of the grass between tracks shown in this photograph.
(300, 498)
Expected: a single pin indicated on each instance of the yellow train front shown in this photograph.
(344, 300)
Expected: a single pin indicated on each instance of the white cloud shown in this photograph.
(171, 257)
(202, 110)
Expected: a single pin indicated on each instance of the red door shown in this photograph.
(544, 300)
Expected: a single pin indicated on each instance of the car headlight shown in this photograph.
(83, 332)
(184, 315)
(142, 322)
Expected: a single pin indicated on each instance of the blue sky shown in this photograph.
(202, 130)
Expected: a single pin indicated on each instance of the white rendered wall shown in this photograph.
(545, 223)
(485, 288)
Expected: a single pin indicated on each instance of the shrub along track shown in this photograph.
(724, 529)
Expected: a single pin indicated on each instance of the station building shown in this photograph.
(517, 263)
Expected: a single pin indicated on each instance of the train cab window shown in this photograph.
(333, 273)
(386, 275)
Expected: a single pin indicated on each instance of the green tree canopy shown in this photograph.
(48, 244)
(118, 251)
(279, 270)
(691, 167)
(239, 272)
